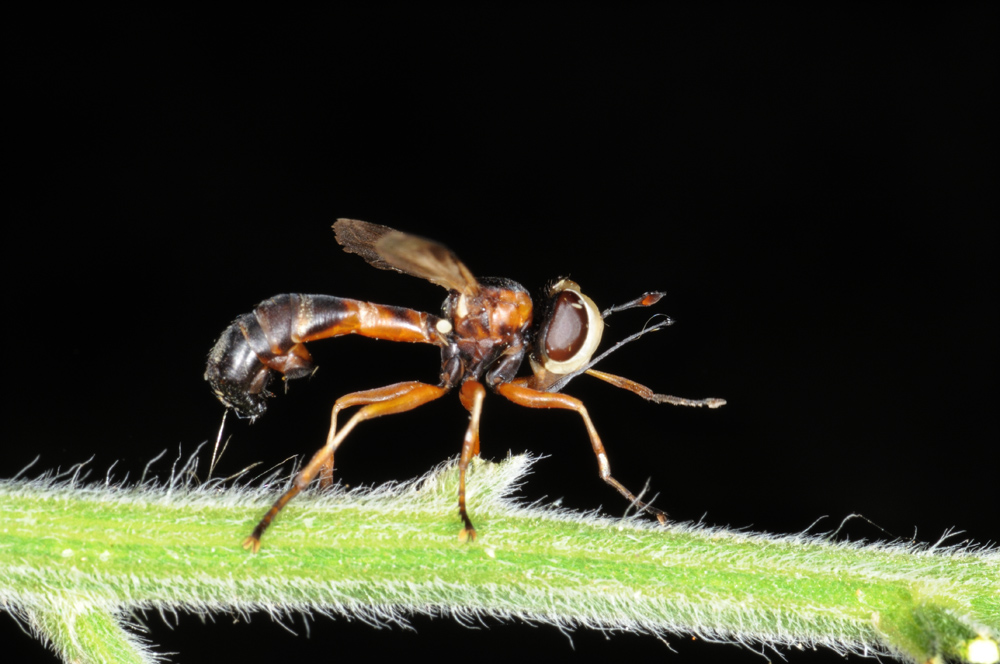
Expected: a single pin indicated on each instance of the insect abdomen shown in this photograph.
(272, 338)
(240, 364)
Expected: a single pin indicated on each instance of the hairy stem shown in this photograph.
(75, 557)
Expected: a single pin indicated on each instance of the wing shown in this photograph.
(389, 249)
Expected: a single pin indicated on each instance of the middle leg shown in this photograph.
(472, 395)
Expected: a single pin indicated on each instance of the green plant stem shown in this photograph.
(85, 633)
(74, 555)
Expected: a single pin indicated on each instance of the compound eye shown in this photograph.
(568, 327)
(572, 332)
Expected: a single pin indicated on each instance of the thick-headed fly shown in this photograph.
(486, 329)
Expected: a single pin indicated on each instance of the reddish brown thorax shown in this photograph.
(489, 323)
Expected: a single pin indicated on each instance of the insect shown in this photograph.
(486, 330)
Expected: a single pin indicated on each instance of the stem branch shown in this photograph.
(75, 557)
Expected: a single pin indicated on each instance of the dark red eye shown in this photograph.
(567, 330)
(569, 333)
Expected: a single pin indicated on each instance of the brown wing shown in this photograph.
(389, 249)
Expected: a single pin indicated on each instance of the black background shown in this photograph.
(816, 192)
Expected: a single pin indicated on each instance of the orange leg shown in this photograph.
(362, 398)
(326, 473)
(531, 398)
(388, 400)
(646, 393)
(472, 395)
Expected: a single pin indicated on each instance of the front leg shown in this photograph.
(532, 398)
(650, 395)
